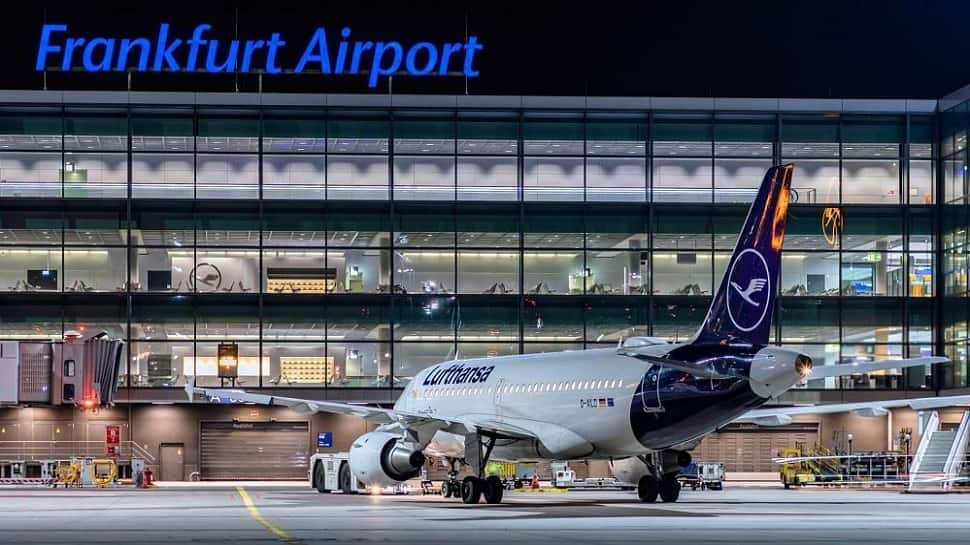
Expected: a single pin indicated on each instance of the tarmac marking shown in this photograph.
(258, 517)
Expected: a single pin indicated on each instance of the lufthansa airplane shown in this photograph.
(643, 404)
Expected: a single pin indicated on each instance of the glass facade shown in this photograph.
(353, 247)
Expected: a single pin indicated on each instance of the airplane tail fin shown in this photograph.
(742, 307)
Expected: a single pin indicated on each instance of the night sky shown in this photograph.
(845, 49)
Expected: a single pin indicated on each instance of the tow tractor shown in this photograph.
(331, 473)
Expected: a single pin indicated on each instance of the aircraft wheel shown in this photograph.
(648, 489)
(471, 490)
(344, 479)
(493, 489)
(446, 489)
(320, 479)
(669, 489)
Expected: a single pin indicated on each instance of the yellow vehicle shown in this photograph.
(67, 473)
(815, 466)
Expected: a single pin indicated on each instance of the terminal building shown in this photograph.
(339, 244)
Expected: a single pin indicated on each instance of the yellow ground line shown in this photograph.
(258, 517)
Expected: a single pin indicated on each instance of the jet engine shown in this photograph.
(775, 370)
(380, 458)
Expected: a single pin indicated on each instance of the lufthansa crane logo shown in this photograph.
(749, 289)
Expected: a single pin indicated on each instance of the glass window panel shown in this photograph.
(954, 177)
(161, 269)
(552, 320)
(873, 129)
(162, 133)
(223, 270)
(682, 228)
(294, 224)
(424, 178)
(363, 134)
(815, 181)
(299, 364)
(30, 174)
(357, 177)
(744, 135)
(553, 227)
(616, 138)
(358, 226)
(293, 135)
(31, 269)
(492, 319)
(297, 271)
(358, 318)
(542, 348)
(225, 134)
(483, 178)
(489, 227)
(478, 350)
(92, 315)
(227, 176)
(225, 224)
(922, 182)
(102, 226)
(160, 364)
(920, 274)
(487, 137)
(612, 319)
(411, 358)
(809, 320)
(361, 365)
(220, 317)
(554, 272)
(361, 271)
(738, 180)
(808, 228)
(872, 320)
(810, 136)
(873, 273)
(870, 181)
(553, 138)
(294, 177)
(872, 229)
(921, 320)
(253, 369)
(488, 272)
(163, 175)
(33, 130)
(678, 318)
(426, 136)
(96, 133)
(682, 273)
(159, 223)
(727, 223)
(616, 227)
(682, 134)
(424, 318)
(809, 273)
(617, 273)
(95, 270)
(553, 179)
(161, 317)
(31, 224)
(293, 318)
(682, 180)
(95, 175)
(616, 179)
(425, 271)
(882, 380)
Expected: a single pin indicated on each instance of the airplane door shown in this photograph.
(497, 398)
(650, 390)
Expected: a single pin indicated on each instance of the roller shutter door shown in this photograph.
(254, 451)
(749, 448)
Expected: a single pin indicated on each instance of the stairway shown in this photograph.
(939, 457)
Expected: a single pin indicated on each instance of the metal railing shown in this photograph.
(958, 452)
(62, 450)
(931, 426)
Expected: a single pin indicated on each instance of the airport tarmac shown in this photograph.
(295, 515)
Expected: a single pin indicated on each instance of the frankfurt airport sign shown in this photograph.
(322, 53)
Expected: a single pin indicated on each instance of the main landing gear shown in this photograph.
(657, 481)
(472, 488)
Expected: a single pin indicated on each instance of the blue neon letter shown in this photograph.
(104, 65)
(45, 46)
(429, 65)
(271, 46)
(377, 67)
(195, 42)
(470, 48)
(163, 50)
(316, 50)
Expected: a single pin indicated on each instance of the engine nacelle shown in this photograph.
(380, 458)
(775, 370)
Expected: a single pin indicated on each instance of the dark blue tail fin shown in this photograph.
(741, 310)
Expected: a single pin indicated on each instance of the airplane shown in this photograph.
(643, 404)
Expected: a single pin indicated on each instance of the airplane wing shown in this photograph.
(374, 415)
(844, 369)
(780, 416)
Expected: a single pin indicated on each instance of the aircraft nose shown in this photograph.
(803, 366)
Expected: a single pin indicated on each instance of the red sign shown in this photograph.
(112, 438)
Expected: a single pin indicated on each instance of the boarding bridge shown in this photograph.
(940, 459)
